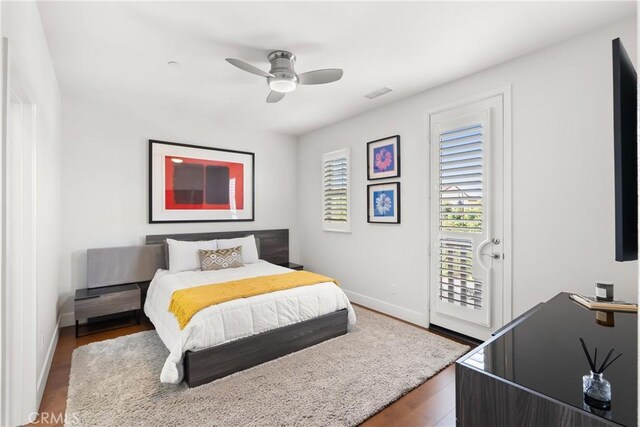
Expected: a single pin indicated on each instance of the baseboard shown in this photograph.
(403, 313)
(67, 319)
(46, 367)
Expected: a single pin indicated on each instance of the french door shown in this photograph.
(467, 218)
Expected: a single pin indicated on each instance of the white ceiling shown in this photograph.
(117, 52)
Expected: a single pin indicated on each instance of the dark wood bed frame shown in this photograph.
(203, 366)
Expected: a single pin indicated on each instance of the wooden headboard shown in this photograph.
(273, 245)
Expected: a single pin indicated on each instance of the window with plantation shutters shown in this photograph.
(460, 200)
(457, 284)
(335, 191)
(461, 181)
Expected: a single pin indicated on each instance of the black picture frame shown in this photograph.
(197, 215)
(395, 219)
(371, 146)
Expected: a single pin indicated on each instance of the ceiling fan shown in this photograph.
(282, 78)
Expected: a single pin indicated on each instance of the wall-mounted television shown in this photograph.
(625, 138)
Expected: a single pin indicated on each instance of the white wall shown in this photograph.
(105, 179)
(3, 290)
(31, 61)
(563, 189)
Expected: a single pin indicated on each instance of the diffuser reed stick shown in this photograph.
(586, 352)
(601, 370)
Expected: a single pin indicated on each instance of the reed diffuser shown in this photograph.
(596, 389)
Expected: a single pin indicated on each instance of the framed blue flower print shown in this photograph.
(383, 203)
(383, 158)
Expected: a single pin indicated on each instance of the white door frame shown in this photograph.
(19, 249)
(507, 197)
(4, 394)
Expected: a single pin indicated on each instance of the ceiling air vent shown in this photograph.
(377, 93)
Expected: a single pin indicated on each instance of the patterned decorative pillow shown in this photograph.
(221, 258)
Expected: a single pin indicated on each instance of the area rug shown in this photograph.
(340, 382)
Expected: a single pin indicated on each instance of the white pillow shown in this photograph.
(184, 255)
(249, 248)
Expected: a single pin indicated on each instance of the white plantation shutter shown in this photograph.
(461, 184)
(335, 191)
(461, 173)
(457, 284)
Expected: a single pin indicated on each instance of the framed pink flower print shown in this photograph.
(383, 158)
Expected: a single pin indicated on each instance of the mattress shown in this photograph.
(235, 319)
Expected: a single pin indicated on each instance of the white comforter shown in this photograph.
(233, 319)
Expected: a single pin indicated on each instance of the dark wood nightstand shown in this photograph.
(92, 303)
(293, 266)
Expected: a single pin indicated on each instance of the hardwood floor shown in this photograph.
(431, 404)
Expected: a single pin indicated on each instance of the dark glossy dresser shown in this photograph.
(530, 372)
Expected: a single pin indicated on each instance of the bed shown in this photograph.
(236, 335)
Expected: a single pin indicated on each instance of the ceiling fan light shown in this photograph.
(282, 85)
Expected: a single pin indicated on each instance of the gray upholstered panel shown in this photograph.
(114, 266)
(273, 245)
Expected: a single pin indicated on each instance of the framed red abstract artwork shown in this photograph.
(190, 183)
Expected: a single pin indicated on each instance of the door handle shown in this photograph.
(479, 252)
(494, 255)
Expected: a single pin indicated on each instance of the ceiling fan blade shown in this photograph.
(248, 67)
(318, 77)
(274, 96)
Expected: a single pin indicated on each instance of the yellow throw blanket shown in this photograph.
(185, 303)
